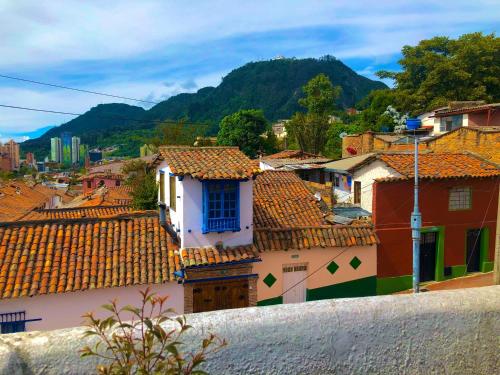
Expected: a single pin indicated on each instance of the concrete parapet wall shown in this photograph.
(452, 332)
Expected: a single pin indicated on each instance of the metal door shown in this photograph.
(473, 253)
(428, 256)
(294, 283)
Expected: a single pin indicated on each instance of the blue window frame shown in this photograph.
(221, 206)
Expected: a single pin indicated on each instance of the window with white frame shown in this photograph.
(460, 198)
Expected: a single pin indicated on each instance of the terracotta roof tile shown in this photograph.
(214, 163)
(287, 216)
(313, 237)
(76, 213)
(203, 256)
(281, 199)
(441, 165)
(72, 255)
(293, 154)
(17, 199)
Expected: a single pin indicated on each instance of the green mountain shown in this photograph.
(273, 86)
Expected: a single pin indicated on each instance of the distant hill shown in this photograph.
(273, 86)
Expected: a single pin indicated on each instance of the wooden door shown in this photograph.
(473, 253)
(220, 295)
(357, 192)
(428, 256)
(294, 283)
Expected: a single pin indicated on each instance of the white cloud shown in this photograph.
(46, 35)
(55, 32)
(15, 120)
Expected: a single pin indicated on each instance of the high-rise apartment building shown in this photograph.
(75, 150)
(66, 148)
(56, 151)
(9, 155)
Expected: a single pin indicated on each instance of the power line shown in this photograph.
(75, 89)
(81, 114)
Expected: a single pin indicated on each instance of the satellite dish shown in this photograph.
(342, 135)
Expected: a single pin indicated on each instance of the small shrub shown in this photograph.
(143, 346)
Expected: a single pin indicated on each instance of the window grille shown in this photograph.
(14, 322)
(221, 206)
(460, 199)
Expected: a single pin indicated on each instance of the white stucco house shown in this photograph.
(353, 178)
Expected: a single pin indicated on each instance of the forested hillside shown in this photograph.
(273, 86)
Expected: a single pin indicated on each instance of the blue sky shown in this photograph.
(153, 49)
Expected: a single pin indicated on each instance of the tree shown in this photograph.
(177, 133)
(373, 108)
(309, 129)
(440, 70)
(243, 129)
(142, 179)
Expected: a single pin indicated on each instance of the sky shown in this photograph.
(153, 49)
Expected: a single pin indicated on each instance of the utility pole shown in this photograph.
(416, 224)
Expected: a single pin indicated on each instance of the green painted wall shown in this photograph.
(388, 285)
(457, 271)
(487, 266)
(355, 288)
(270, 301)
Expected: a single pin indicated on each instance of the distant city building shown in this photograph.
(30, 158)
(9, 156)
(75, 150)
(95, 155)
(40, 166)
(84, 152)
(66, 148)
(56, 153)
(147, 150)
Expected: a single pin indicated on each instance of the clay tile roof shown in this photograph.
(281, 199)
(17, 199)
(293, 154)
(75, 255)
(294, 157)
(76, 213)
(287, 216)
(313, 237)
(441, 165)
(208, 163)
(206, 256)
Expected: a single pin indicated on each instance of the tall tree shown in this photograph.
(142, 179)
(309, 129)
(177, 133)
(244, 129)
(441, 69)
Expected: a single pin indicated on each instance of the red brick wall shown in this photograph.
(393, 203)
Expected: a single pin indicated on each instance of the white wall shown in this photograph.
(65, 310)
(366, 175)
(192, 217)
(264, 166)
(187, 219)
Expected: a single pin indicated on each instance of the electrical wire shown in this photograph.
(95, 115)
(479, 235)
(75, 89)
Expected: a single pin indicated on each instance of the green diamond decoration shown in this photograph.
(355, 262)
(332, 267)
(269, 280)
